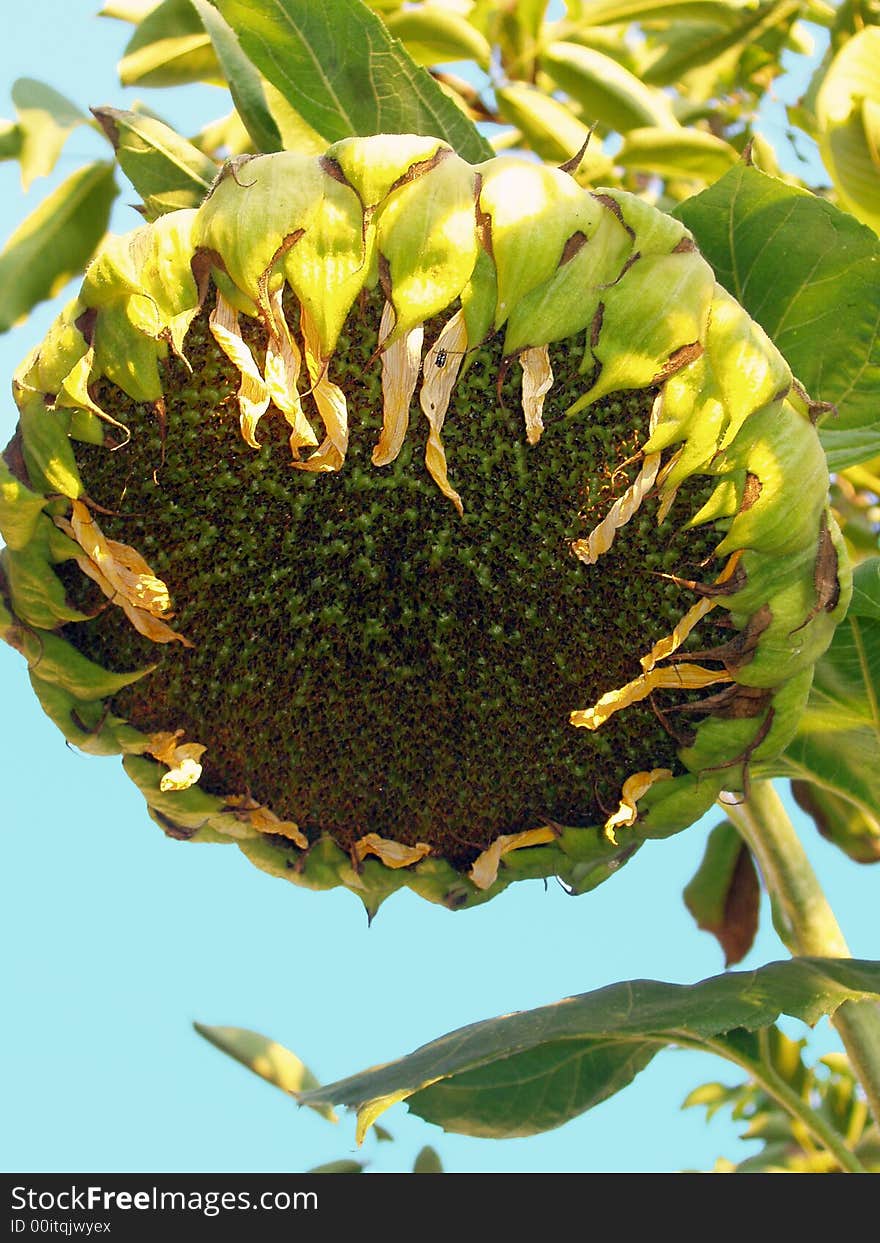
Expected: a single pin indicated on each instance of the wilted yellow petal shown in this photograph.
(330, 400)
(182, 759)
(442, 365)
(671, 643)
(634, 788)
(392, 854)
(265, 821)
(400, 372)
(281, 370)
(485, 868)
(536, 384)
(144, 623)
(253, 395)
(682, 677)
(601, 538)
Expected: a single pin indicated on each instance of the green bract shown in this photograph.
(409, 522)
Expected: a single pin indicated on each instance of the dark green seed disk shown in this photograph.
(365, 659)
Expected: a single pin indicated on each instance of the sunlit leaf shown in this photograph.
(724, 895)
(810, 275)
(435, 35)
(245, 83)
(340, 69)
(836, 751)
(606, 91)
(848, 115)
(677, 153)
(550, 128)
(167, 171)
(45, 121)
(170, 47)
(55, 241)
(532, 1071)
(266, 1058)
(612, 12)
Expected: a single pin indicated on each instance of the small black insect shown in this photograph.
(440, 360)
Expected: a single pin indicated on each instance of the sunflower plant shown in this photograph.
(463, 476)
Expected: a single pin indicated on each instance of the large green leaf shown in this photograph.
(55, 241)
(245, 83)
(532, 1071)
(167, 171)
(337, 65)
(45, 120)
(836, 751)
(810, 275)
(170, 47)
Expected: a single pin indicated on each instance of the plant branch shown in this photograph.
(805, 921)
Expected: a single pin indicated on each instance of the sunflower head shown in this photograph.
(413, 523)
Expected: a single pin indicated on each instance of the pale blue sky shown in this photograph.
(116, 938)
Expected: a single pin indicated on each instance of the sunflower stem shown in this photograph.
(805, 921)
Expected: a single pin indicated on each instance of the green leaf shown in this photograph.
(170, 47)
(428, 1161)
(677, 153)
(551, 129)
(848, 115)
(708, 47)
(836, 751)
(810, 275)
(338, 1167)
(167, 171)
(55, 241)
(613, 12)
(724, 895)
(265, 1058)
(245, 84)
(532, 1071)
(435, 36)
(337, 65)
(606, 91)
(11, 139)
(45, 120)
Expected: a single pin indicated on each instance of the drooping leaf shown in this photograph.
(529, 1072)
(55, 241)
(337, 65)
(552, 130)
(434, 35)
(606, 92)
(167, 171)
(245, 83)
(848, 116)
(724, 895)
(170, 47)
(45, 121)
(265, 1058)
(810, 275)
(677, 153)
(836, 751)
